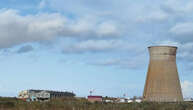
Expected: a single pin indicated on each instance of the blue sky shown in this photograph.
(84, 45)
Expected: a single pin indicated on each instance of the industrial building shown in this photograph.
(42, 95)
(162, 82)
(95, 98)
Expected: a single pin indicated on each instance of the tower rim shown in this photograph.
(163, 46)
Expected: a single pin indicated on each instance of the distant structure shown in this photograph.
(162, 82)
(95, 98)
(188, 99)
(91, 91)
(42, 95)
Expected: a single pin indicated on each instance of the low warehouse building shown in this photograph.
(42, 95)
(95, 98)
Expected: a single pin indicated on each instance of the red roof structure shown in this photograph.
(95, 98)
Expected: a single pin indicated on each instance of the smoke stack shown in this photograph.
(162, 82)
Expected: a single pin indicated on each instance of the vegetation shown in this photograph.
(83, 104)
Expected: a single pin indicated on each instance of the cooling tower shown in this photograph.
(162, 82)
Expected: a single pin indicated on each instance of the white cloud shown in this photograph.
(91, 26)
(93, 46)
(24, 49)
(182, 32)
(103, 46)
(107, 28)
(185, 52)
(187, 89)
(126, 63)
(42, 4)
(16, 29)
(178, 6)
(182, 29)
(156, 16)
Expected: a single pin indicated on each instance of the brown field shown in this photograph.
(83, 104)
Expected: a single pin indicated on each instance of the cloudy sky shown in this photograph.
(82, 45)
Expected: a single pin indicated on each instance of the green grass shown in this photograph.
(83, 104)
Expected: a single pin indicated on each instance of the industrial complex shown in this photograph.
(162, 82)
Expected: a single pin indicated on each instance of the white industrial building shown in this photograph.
(42, 95)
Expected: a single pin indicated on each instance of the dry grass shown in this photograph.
(83, 104)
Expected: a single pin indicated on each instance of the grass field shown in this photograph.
(83, 104)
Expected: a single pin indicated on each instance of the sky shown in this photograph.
(83, 45)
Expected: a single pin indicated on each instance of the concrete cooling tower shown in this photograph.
(162, 82)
